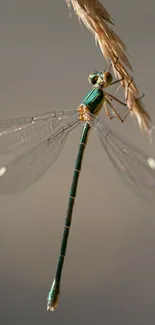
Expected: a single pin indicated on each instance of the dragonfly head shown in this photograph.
(101, 79)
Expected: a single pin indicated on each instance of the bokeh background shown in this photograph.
(109, 272)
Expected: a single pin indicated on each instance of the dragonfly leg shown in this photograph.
(111, 97)
(116, 113)
(139, 97)
(129, 83)
(110, 117)
(115, 82)
(124, 118)
(130, 109)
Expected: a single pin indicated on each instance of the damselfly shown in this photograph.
(29, 146)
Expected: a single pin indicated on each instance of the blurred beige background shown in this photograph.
(109, 273)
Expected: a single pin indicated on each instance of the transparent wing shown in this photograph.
(134, 166)
(29, 165)
(21, 133)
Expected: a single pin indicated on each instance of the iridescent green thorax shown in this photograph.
(94, 100)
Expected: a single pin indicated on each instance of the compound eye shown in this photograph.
(107, 77)
(93, 78)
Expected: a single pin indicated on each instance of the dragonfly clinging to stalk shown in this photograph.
(31, 145)
(97, 20)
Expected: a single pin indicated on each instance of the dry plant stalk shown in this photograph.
(97, 20)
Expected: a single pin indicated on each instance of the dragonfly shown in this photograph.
(30, 145)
